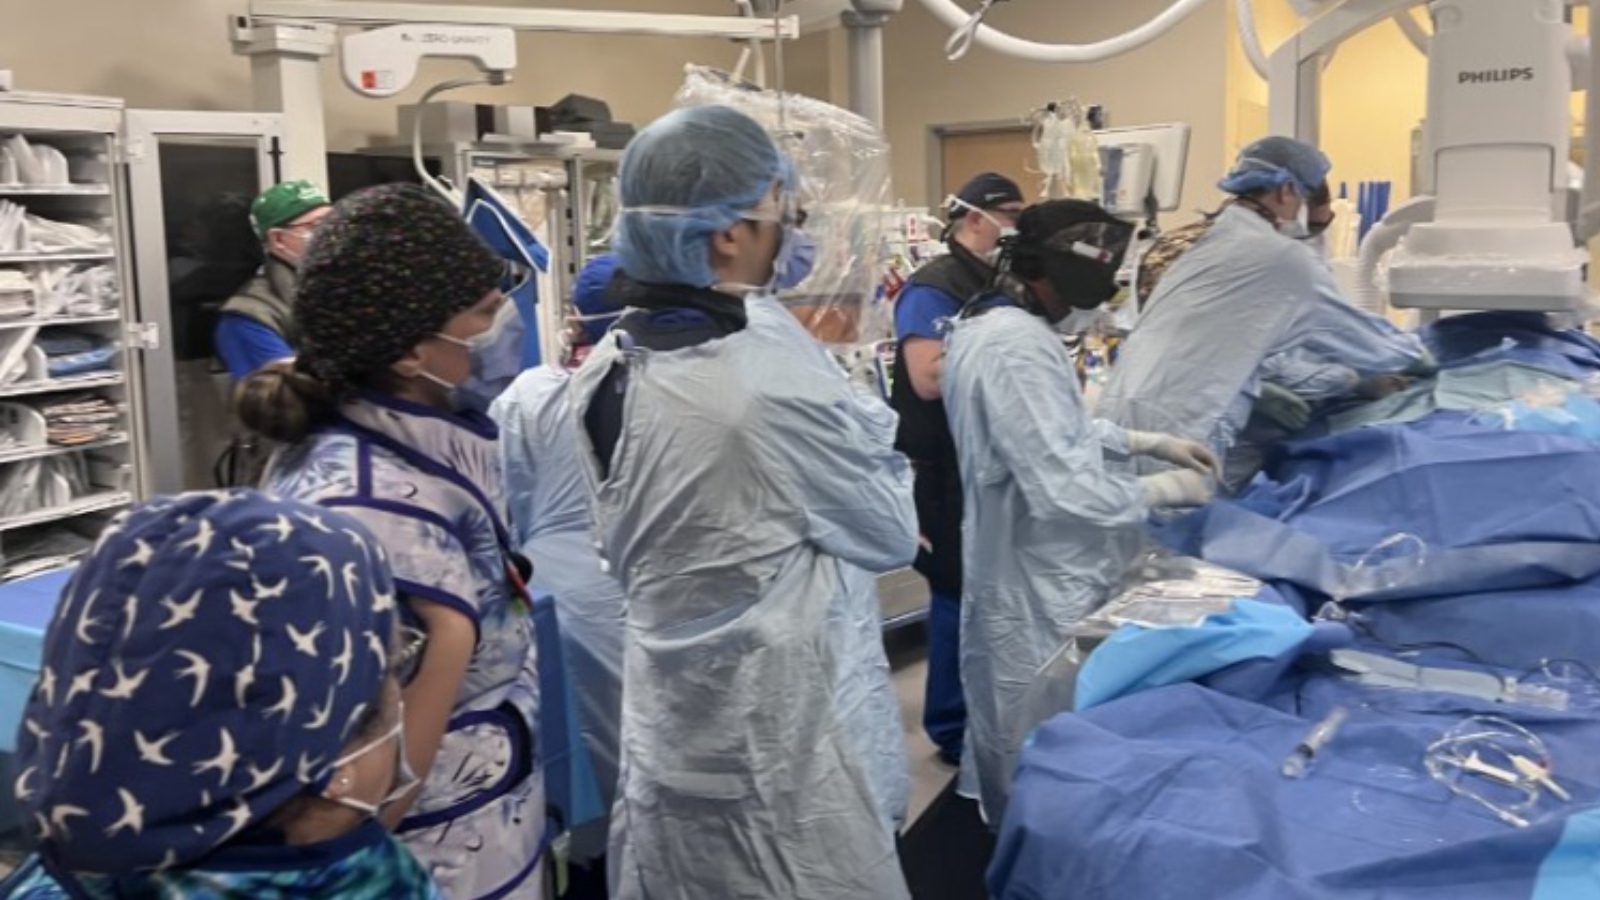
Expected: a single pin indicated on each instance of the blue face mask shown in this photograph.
(797, 256)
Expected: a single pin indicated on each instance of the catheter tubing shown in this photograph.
(955, 17)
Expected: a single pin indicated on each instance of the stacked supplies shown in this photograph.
(84, 419)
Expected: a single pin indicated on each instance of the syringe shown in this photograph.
(1299, 760)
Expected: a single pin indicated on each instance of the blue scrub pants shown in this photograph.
(944, 713)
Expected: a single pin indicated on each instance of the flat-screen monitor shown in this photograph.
(1142, 160)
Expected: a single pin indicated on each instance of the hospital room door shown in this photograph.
(191, 178)
(968, 151)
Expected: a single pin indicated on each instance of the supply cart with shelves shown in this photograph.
(69, 458)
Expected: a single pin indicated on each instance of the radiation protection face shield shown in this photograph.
(1080, 261)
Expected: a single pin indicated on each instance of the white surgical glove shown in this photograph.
(1179, 488)
(1179, 451)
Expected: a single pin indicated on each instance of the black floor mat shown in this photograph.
(946, 852)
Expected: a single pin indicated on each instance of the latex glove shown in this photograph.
(1424, 366)
(1181, 488)
(1179, 451)
(1377, 387)
(1282, 407)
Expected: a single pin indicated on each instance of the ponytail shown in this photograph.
(282, 403)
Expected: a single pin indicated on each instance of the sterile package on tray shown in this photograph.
(1159, 591)
(1174, 590)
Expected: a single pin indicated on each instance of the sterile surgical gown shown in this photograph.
(1243, 293)
(548, 500)
(1048, 530)
(747, 482)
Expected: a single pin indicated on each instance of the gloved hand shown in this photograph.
(1424, 366)
(1176, 450)
(1377, 387)
(1282, 407)
(1181, 488)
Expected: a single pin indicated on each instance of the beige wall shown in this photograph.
(174, 54)
(1373, 94)
(1178, 78)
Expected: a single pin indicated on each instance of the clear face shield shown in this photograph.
(1080, 262)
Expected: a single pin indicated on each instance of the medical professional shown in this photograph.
(256, 326)
(1242, 294)
(1050, 530)
(743, 491)
(1291, 381)
(395, 293)
(551, 522)
(983, 212)
(192, 734)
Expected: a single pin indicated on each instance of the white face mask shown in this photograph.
(953, 203)
(1298, 228)
(474, 345)
(405, 778)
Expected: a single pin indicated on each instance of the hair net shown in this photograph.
(1275, 161)
(593, 299)
(209, 660)
(686, 176)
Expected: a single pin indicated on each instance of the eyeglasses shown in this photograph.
(407, 661)
(789, 215)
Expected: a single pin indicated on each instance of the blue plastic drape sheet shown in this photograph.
(1461, 338)
(1175, 791)
(1136, 658)
(1498, 510)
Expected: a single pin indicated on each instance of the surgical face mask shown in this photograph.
(797, 256)
(484, 339)
(475, 345)
(1007, 232)
(405, 778)
(1297, 228)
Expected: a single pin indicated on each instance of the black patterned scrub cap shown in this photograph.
(390, 266)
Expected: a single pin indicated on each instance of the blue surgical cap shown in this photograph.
(208, 662)
(687, 176)
(593, 299)
(1275, 161)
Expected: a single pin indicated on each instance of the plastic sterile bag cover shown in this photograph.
(843, 164)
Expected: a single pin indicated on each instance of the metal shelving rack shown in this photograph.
(86, 130)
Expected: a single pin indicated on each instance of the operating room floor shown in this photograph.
(907, 649)
(945, 848)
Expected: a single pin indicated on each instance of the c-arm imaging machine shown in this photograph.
(1495, 223)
